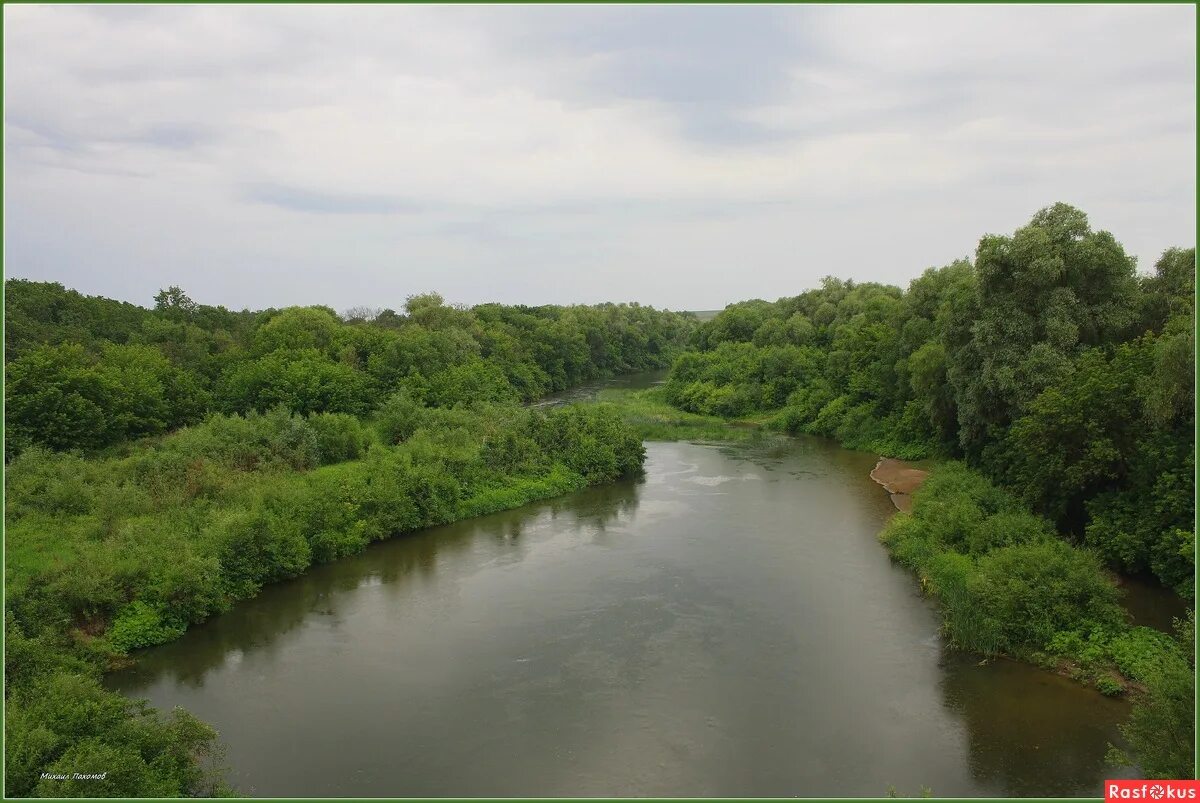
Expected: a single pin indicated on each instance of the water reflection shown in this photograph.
(1032, 732)
(1150, 604)
(398, 565)
(729, 625)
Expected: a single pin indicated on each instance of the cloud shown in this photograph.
(707, 64)
(678, 155)
(300, 200)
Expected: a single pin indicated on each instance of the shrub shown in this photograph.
(399, 417)
(339, 437)
(1005, 584)
(1032, 591)
(1139, 651)
(1162, 727)
(140, 625)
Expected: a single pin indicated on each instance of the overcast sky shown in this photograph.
(679, 156)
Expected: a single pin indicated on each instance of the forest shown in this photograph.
(163, 464)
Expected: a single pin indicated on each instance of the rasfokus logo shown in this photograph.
(1151, 790)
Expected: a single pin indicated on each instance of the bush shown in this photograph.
(256, 546)
(592, 441)
(67, 723)
(1089, 649)
(1140, 651)
(339, 437)
(140, 625)
(1032, 591)
(1005, 584)
(399, 417)
(1162, 728)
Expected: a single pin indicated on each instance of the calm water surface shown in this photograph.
(727, 626)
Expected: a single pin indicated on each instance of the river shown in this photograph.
(728, 625)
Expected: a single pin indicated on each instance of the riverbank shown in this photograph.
(892, 475)
(1008, 586)
(970, 542)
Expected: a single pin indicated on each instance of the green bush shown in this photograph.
(140, 625)
(1005, 585)
(67, 723)
(1089, 649)
(1162, 728)
(1032, 591)
(399, 417)
(1140, 651)
(339, 437)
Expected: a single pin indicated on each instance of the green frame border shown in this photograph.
(3, 325)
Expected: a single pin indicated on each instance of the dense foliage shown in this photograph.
(1048, 363)
(1007, 585)
(267, 442)
(1162, 729)
(649, 414)
(86, 373)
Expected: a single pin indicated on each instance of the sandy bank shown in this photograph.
(899, 479)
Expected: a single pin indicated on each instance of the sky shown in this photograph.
(681, 156)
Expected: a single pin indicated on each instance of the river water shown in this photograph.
(728, 625)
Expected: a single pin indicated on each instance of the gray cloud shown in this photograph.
(679, 155)
(708, 64)
(45, 132)
(295, 199)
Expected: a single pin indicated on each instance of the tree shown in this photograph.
(1053, 287)
(175, 304)
(54, 396)
(302, 381)
(297, 328)
(1077, 436)
(1171, 290)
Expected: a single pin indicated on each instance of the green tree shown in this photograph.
(1052, 287)
(54, 396)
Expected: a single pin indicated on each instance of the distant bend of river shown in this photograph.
(728, 625)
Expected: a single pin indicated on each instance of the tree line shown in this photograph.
(87, 372)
